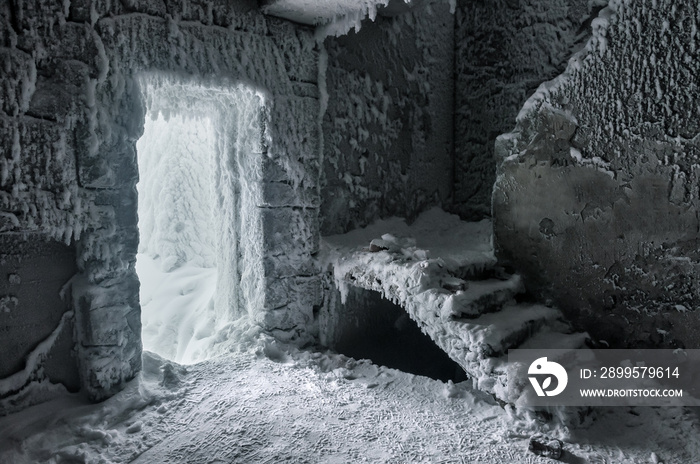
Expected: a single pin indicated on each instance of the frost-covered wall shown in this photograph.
(504, 50)
(388, 127)
(597, 196)
(71, 114)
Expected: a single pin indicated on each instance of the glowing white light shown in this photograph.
(200, 256)
(177, 251)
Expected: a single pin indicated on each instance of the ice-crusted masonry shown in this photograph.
(595, 201)
(442, 271)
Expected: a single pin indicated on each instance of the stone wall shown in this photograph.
(387, 130)
(504, 50)
(596, 200)
(27, 279)
(71, 114)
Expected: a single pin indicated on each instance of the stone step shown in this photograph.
(493, 373)
(480, 345)
(478, 267)
(530, 327)
(492, 334)
(549, 338)
(482, 296)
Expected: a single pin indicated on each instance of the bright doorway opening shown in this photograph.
(197, 217)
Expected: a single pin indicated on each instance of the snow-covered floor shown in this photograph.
(273, 404)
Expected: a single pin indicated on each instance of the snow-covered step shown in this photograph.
(478, 266)
(491, 374)
(431, 252)
(493, 334)
(470, 342)
(550, 338)
(480, 345)
(482, 296)
(397, 279)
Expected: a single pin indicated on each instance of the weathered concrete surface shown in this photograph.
(596, 200)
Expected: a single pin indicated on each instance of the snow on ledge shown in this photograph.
(31, 381)
(416, 266)
(434, 252)
(338, 17)
(314, 13)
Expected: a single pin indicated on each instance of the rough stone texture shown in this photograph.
(71, 111)
(30, 308)
(388, 126)
(504, 50)
(596, 200)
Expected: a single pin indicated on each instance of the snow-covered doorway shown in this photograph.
(199, 151)
(177, 263)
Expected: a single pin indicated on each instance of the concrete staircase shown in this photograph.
(470, 307)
